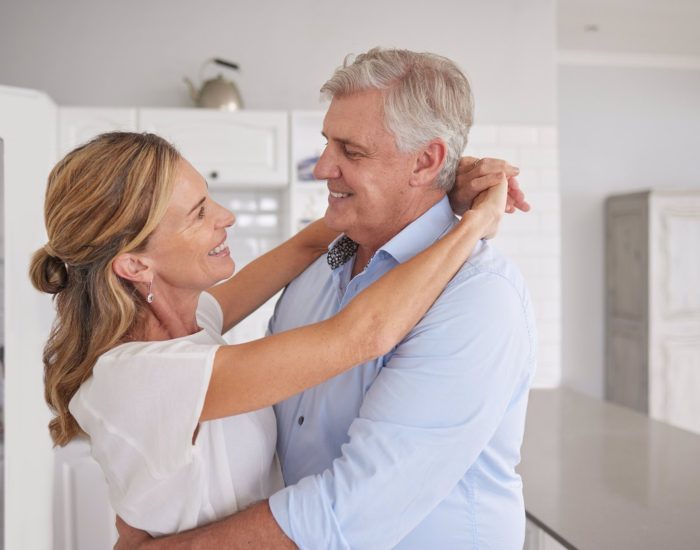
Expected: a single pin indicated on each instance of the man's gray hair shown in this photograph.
(426, 96)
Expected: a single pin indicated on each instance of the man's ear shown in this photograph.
(132, 268)
(428, 164)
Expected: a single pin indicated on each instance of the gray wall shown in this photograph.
(135, 52)
(620, 129)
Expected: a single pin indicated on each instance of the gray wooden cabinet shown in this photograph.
(653, 304)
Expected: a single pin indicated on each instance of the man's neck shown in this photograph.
(367, 249)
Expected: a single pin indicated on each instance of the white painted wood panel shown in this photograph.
(244, 147)
(84, 519)
(77, 125)
(28, 130)
(653, 304)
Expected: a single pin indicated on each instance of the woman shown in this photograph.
(179, 421)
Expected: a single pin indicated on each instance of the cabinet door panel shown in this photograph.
(76, 125)
(244, 148)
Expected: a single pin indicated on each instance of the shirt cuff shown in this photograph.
(305, 513)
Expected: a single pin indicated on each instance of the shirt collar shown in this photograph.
(412, 239)
(421, 232)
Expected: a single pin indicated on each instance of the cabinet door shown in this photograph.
(83, 517)
(243, 148)
(674, 342)
(76, 125)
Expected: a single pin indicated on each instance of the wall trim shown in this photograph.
(593, 58)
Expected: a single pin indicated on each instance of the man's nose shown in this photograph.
(326, 168)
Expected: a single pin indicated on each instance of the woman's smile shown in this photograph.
(220, 250)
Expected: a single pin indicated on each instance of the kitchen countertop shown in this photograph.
(601, 476)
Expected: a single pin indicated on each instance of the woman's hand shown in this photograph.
(476, 175)
(489, 205)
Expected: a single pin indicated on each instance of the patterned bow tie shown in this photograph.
(341, 252)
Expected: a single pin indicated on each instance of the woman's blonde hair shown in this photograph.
(103, 199)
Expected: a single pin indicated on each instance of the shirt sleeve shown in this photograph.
(424, 421)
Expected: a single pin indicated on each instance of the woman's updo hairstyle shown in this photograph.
(49, 272)
(103, 199)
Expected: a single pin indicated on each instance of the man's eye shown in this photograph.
(200, 214)
(351, 154)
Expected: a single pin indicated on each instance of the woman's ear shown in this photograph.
(428, 164)
(132, 268)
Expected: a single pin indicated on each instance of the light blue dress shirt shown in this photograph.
(416, 449)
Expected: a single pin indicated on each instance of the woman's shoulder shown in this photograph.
(210, 316)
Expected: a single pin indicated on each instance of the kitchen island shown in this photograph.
(601, 476)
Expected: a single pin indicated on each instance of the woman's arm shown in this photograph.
(257, 374)
(261, 279)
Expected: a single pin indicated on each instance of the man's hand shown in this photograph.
(476, 175)
(130, 538)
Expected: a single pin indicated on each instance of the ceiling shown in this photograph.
(649, 27)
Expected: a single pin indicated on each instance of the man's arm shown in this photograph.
(425, 420)
(253, 528)
(428, 415)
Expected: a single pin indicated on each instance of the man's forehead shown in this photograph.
(356, 118)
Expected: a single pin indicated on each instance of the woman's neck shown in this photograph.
(167, 318)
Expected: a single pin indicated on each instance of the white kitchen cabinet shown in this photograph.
(653, 304)
(83, 518)
(77, 125)
(246, 148)
(28, 136)
(308, 197)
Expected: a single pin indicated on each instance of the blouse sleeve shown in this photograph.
(149, 396)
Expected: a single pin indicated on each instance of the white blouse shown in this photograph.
(140, 409)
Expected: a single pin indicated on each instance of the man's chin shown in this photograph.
(333, 223)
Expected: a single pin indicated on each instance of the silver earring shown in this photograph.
(150, 297)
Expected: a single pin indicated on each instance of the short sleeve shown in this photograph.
(150, 395)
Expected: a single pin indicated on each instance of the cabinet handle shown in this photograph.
(213, 174)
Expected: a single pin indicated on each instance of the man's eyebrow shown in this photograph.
(200, 203)
(346, 141)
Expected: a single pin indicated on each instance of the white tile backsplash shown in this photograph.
(533, 240)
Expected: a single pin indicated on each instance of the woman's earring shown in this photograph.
(150, 297)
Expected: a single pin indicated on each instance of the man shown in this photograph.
(417, 448)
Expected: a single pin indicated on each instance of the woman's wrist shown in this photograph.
(316, 237)
(482, 220)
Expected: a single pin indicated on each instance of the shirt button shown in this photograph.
(301, 420)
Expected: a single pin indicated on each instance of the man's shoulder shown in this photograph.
(487, 266)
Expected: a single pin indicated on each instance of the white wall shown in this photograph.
(135, 53)
(620, 129)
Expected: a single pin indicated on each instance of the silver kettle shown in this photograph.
(216, 93)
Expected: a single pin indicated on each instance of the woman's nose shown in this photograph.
(326, 168)
(226, 217)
